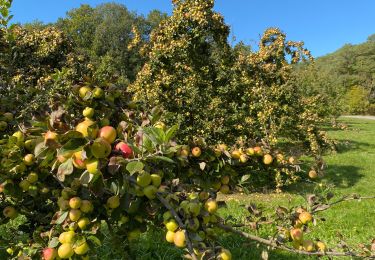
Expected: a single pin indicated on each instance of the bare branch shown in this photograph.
(276, 245)
(344, 198)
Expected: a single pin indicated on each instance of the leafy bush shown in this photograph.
(357, 100)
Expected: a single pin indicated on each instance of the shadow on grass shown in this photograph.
(342, 176)
(344, 146)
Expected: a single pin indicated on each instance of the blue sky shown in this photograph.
(324, 25)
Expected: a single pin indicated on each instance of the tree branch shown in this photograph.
(345, 198)
(276, 245)
(180, 223)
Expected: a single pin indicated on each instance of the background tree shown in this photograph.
(104, 32)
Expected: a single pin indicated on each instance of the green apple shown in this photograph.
(113, 202)
(98, 92)
(74, 214)
(8, 116)
(179, 239)
(211, 206)
(143, 179)
(171, 225)
(30, 144)
(92, 166)
(150, 192)
(32, 177)
(24, 185)
(156, 179)
(86, 206)
(225, 254)
(101, 148)
(20, 137)
(83, 91)
(134, 234)
(194, 208)
(3, 125)
(62, 203)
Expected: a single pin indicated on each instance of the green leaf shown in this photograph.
(70, 135)
(156, 135)
(171, 132)
(54, 242)
(95, 240)
(73, 145)
(65, 168)
(245, 177)
(163, 158)
(86, 178)
(134, 167)
(62, 217)
(40, 149)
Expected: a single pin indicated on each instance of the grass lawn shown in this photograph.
(351, 170)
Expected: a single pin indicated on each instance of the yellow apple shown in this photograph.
(88, 112)
(179, 239)
(108, 133)
(67, 237)
(88, 128)
(74, 214)
(65, 251)
(211, 206)
(29, 159)
(171, 225)
(81, 249)
(196, 151)
(83, 91)
(75, 202)
(170, 236)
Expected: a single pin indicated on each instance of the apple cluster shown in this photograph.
(125, 173)
(5, 119)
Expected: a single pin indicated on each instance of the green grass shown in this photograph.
(351, 170)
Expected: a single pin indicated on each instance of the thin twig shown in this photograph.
(276, 245)
(180, 223)
(345, 198)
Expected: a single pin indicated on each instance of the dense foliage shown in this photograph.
(349, 72)
(222, 94)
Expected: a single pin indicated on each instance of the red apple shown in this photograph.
(49, 253)
(124, 149)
